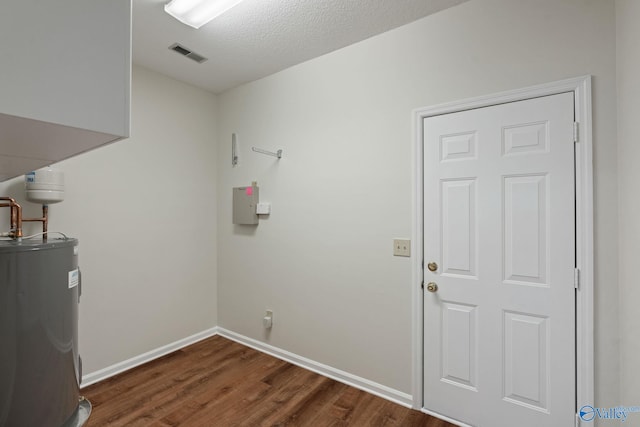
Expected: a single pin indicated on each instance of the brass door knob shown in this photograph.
(432, 266)
(432, 287)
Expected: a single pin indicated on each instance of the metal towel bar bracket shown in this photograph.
(277, 154)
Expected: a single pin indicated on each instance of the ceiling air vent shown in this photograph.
(177, 47)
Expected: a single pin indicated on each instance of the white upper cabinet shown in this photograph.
(65, 77)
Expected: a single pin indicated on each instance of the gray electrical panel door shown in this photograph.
(245, 202)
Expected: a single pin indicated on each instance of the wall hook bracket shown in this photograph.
(234, 150)
(277, 154)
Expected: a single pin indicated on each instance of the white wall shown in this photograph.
(342, 190)
(628, 67)
(144, 211)
(146, 214)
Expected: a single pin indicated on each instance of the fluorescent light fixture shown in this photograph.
(196, 13)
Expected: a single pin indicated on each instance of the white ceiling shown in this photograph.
(260, 37)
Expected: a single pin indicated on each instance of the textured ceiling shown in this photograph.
(260, 37)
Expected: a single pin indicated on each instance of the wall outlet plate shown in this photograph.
(402, 247)
(267, 320)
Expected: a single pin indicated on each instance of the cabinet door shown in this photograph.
(64, 80)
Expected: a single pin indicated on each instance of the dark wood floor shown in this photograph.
(218, 382)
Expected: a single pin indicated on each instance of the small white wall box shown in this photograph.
(245, 201)
(263, 208)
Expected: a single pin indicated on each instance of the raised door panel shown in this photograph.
(458, 205)
(525, 217)
(526, 360)
(459, 355)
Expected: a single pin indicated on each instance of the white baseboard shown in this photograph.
(118, 368)
(379, 390)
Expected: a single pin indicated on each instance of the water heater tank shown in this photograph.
(44, 186)
(40, 367)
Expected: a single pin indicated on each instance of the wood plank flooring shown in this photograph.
(218, 382)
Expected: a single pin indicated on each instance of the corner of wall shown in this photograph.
(628, 107)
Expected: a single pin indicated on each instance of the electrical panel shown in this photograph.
(245, 202)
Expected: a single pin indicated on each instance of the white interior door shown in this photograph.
(499, 222)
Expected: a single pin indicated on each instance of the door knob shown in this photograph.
(432, 266)
(432, 287)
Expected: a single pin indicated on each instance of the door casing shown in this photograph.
(581, 87)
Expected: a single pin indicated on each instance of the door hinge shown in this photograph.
(576, 278)
(422, 285)
(576, 132)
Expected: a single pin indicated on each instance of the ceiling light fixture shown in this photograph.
(196, 13)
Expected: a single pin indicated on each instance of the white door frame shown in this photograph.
(581, 87)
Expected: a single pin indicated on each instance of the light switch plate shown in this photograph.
(401, 247)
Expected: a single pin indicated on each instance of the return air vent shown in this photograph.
(177, 47)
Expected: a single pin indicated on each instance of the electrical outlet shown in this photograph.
(267, 321)
(401, 247)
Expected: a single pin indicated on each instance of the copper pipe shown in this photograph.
(32, 219)
(17, 220)
(45, 223)
(17, 214)
(44, 220)
(10, 205)
(16, 217)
